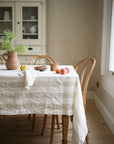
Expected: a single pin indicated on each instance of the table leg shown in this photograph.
(52, 128)
(29, 116)
(65, 121)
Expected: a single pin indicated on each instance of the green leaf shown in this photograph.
(7, 43)
(9, 36)
(6, 46)
(21, 49)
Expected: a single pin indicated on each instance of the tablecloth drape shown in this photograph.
(51, 93)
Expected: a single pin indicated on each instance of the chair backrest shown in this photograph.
(1, 61)
(88, 67)
(36, 58)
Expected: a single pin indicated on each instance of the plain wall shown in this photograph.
(71, 29)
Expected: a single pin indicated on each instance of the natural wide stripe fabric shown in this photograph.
(51, 93)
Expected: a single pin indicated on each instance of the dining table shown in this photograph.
(45, 92)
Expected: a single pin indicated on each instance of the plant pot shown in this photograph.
(12, 61)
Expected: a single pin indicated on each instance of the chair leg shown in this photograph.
(44, 124)
(52, 128)
(33, 122)
(87, 139)
(71, 118)
(29, 116)
(57, 120)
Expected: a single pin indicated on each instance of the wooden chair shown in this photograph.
(87, 70)
(35, 60)
(1, 61)
(84, 79)
(88, 64)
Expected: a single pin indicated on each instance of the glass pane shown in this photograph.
(30, 22)
(5, 20)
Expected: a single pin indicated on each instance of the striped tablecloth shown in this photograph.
(51, 93)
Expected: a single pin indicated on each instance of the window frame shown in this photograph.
(107, 77)
(106, 33)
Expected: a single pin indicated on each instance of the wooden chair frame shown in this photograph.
(49, 58)
(2, 62)
(84, 84)
(86, 61)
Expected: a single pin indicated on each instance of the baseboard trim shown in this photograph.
(105, 113)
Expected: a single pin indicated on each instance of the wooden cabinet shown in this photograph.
(27, 19)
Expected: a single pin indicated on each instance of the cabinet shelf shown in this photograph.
(30, 20)
(1, 34)
(30, 34)
(5, 20)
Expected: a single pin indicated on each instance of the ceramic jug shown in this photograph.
(33, 29)
(12, 61)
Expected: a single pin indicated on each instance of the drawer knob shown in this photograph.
(30, 48)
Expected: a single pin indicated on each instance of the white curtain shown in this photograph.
(111, 56)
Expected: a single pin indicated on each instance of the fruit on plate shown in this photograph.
(63, 71)
(58, 70)
(68, 70)
(40, 68)
(23, 67)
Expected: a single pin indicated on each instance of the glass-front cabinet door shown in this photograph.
(29, 23)
(6, 18)
(27, 20)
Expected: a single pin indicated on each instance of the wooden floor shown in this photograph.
(17, 129)
(99, 133)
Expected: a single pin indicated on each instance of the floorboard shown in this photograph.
(17, 129)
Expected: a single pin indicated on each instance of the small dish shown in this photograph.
(32, 17)
(40, 68)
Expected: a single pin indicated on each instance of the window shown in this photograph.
(107, 63)
(111, 54)
(107, 38)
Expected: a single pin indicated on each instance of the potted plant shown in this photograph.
(12, 61)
